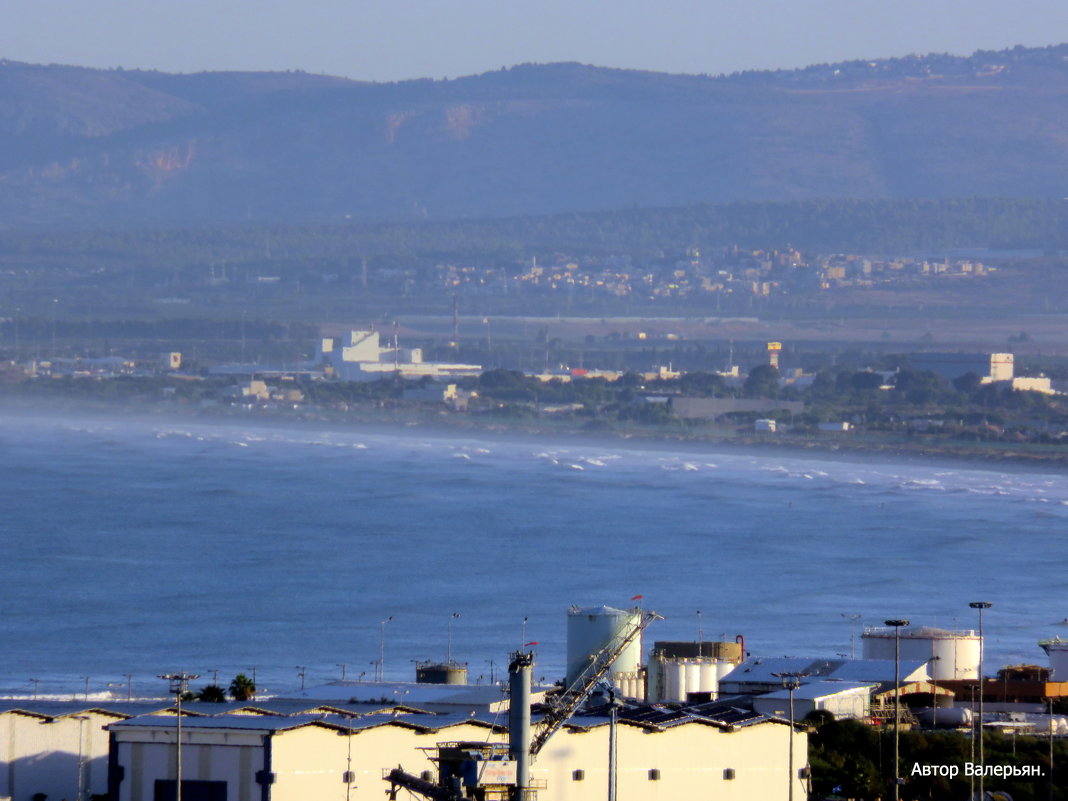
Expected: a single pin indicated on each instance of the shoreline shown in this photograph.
(538, 431)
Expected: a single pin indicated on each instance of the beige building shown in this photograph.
(661, 755)
(61, 752)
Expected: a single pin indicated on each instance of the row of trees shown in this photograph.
(242, 688)
(841, 387)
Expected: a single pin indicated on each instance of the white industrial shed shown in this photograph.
(843, 699)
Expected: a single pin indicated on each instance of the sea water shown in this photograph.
(139, 548)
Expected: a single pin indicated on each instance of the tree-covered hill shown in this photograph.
(91, 147)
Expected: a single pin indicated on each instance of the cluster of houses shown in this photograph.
(730, 270)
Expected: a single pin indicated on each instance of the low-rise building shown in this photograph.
(360, 356)
(662, 753)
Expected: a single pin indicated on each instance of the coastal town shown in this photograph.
(925, 399)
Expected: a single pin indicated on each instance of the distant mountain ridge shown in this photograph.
(104, 147)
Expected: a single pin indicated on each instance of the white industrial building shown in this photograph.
(843, 699)
(360, 356)
(729, 755)
(761, 675)
(992, 368)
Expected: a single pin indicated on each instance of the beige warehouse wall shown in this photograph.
(311, 762)
(41, 755)
(691, 759)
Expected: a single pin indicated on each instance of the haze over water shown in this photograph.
(148, 547)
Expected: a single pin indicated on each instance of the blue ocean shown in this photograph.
(132, 547)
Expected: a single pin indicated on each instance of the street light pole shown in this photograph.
(382, 648)
(1050, 699)
(981, 605)
(452, 617)
(81, 755)
(791, 681)
(852, 632)
(612, 761)
(178, 684)
(897, 624)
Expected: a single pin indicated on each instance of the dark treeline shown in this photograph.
(852, 760)
(859, 226)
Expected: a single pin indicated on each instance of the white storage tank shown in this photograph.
(1058, 658)
(593, 628)
(631, 685)
(678, 668)
(709, 679)
(674, 681)
(693, 677)
(952, 654)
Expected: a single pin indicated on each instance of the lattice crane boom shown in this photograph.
(563, 705)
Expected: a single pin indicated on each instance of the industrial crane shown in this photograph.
(463, 766)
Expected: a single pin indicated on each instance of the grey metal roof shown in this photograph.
(270, 706)
(58, 709)
(272, 723)
(407, 693)
(810, 691)
(262, 723)
(763, 670)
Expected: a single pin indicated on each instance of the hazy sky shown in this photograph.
(396, 39)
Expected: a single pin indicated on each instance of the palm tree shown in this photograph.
(242, 688)
(212, 693)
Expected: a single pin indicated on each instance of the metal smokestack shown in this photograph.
(520, 671)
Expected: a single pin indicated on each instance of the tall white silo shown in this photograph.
(591, 629)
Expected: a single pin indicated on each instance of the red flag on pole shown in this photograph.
(637, 597)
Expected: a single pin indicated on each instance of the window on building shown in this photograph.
(192, 790)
